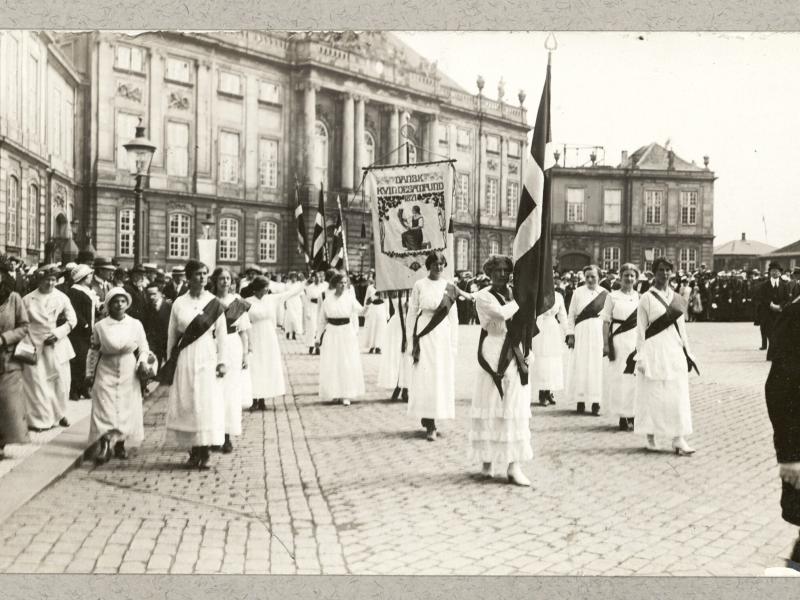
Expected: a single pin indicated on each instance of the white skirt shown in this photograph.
(375, 325)
(662, 406)
(394, 366)
(232, 384)
(340, 371)
(585, 370)
(547, 357)
(619, 389)
(432, 383)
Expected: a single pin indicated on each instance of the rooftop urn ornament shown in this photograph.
(521, 97)
(480, 83)
(556, 155)
(501, 89)
(593, 158)
(705, 161)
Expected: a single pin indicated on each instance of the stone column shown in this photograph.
(394, 134)
(309, 124)
(347, 142)
(433, 139)
(405, 119)
(359, 135)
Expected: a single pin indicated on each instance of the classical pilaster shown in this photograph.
(348, 148)
(309, 123)
(405, 120)
(157, 100)
(394, 134)
(432, 142)
(359, 153)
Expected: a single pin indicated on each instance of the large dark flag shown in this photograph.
(302, 243)
(318, 258)
(532, 250)
(337, 251)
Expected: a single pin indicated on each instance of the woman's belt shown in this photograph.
(314, 300)
(342, 321)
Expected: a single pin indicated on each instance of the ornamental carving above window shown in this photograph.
(492, 164)
(129, 91)
(178, 101)
(513, 168)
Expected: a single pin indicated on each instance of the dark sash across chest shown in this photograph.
(592, 310)
(234, 311)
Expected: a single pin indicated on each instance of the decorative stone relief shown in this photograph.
(178, 101)
(492, 164)
(513, 168)
(129, 91)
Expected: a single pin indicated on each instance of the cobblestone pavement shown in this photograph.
(317, 488)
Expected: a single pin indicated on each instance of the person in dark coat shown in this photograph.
(85, 304)
(176, 286)
(782, 392)
(774, 294)
(156, 320)
(135, 287)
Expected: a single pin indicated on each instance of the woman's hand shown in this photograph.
(570, 341)
(605, 350)
(221, 370)
(50, 340)
(244, 361)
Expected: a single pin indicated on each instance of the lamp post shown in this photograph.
(140, 154)
(480, 83)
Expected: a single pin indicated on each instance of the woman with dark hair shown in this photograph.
(266, 363)
(46, 384)
(13, 329)
(195, 364)
(237, 353)
(619, 340)
(341, 376)
(118, 353)
(501, 403)
(432, 332)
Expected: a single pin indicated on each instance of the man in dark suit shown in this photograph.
(774, 294)
(794, 284)
(135, 287)
(84, 303)
(177, 286)
(156, 321)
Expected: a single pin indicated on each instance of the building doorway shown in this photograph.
(573, 261)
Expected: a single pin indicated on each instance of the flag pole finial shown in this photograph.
(550, 42)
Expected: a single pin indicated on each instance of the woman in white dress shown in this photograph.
(266, 363)
(46, 384)
(293, 315)
(376, 318)
(237, 348)
(118, 348)
(313, 298)
(663, 360)
(195, 364)
(547, 352)
(341, 376)
(619, 341)
(501, 405)
(395, 363)
(432, 333)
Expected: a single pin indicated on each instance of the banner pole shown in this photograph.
(344, 237)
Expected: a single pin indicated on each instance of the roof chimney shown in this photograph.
(624, 157)
(744, 239)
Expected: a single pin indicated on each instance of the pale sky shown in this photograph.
(731, 96)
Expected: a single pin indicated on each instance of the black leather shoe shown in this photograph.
(595, 409)
(63, 422)
(550, 398)
(102, 451)
(261, 404)
(377, 350)
(404, 395)
(630, 424)
(119, 450)
(227, 447)
(194, 457)
(396, 394)
(581, 408)
(204, 458)
(253, 406)
(623, 424)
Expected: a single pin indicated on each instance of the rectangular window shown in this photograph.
(268, 242)
(494, 247)
(514, 148)
(512, 199)
(611, 258)
(12, 212)
(462, 193)
(575, 205)
(32, 215)
(129, 58)
(612, 206)
(444, 134)
(687, 260)
(178, 69)
(462, 254)
(125, 131)
(650, 254)
(462, 138)
(268, 163)
(179, 227)
(228, 239)
(688, 208)
(491, 196)
(269, 92)
(230, 83)
(177, 149)
(653, 200)
(493, 143)
(126, 222)
(228, 157)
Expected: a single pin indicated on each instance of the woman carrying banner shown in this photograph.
(663, 361)
(501, 403)
(313, 296)
(117, 350)
(340, 374)
(547, 350)
(395, 364)
(585, 340)
(375, 321)
(432, 330)
(237, 352)
(195, 363)
(266, 363)
(619, 340)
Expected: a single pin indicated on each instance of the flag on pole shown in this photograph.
(302, 243)
(318, 240)
(338, 251)
(532, 249)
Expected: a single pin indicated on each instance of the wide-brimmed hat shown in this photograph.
(254, 269)
(80, 272)
(775, 265)
(48, 270)
(101, 262)
(138, 269)
(116, 291)
(178, 271)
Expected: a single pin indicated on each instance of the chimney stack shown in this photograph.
(624, 157)
(743, 238)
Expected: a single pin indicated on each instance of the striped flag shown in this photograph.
(318, 257)
(302, 243)
(532, 249)
(337, 251)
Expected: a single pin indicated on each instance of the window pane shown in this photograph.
(269, 91)
(369, 147)
(177, 149)
(229, 239)
(137, 59)
(575, 205)
(230, 83)
(229, 157)
(123, 57)
(492, 143)
(462, 138)
(268, 242)
(126, 231)
(512, 198)
(12, 211)
(33, 217)
(126, 130)
(612, 203)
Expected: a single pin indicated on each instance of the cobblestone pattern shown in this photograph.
(317, 488)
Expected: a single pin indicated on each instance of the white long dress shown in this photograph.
(548, 349)
(662, 391)
(432, 387)
(619, 389)
(293, 315)
(340, 372)
(395, 365)
(117, 393)
(313, 298)
(275, 288)
(233, 388)
(46, 384)
(266, 362)
(196, 409)
(585, 370)
(375, 320)
(500, 427)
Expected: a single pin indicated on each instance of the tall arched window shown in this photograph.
(228, 239)
(369, 149)
(32, 215)
(12, 212)
(321, 153)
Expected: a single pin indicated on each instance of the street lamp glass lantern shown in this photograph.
(140, 152)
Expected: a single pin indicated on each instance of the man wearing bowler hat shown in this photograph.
(101, 280)
(135, 287)
(774, 294)
(176, 286)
